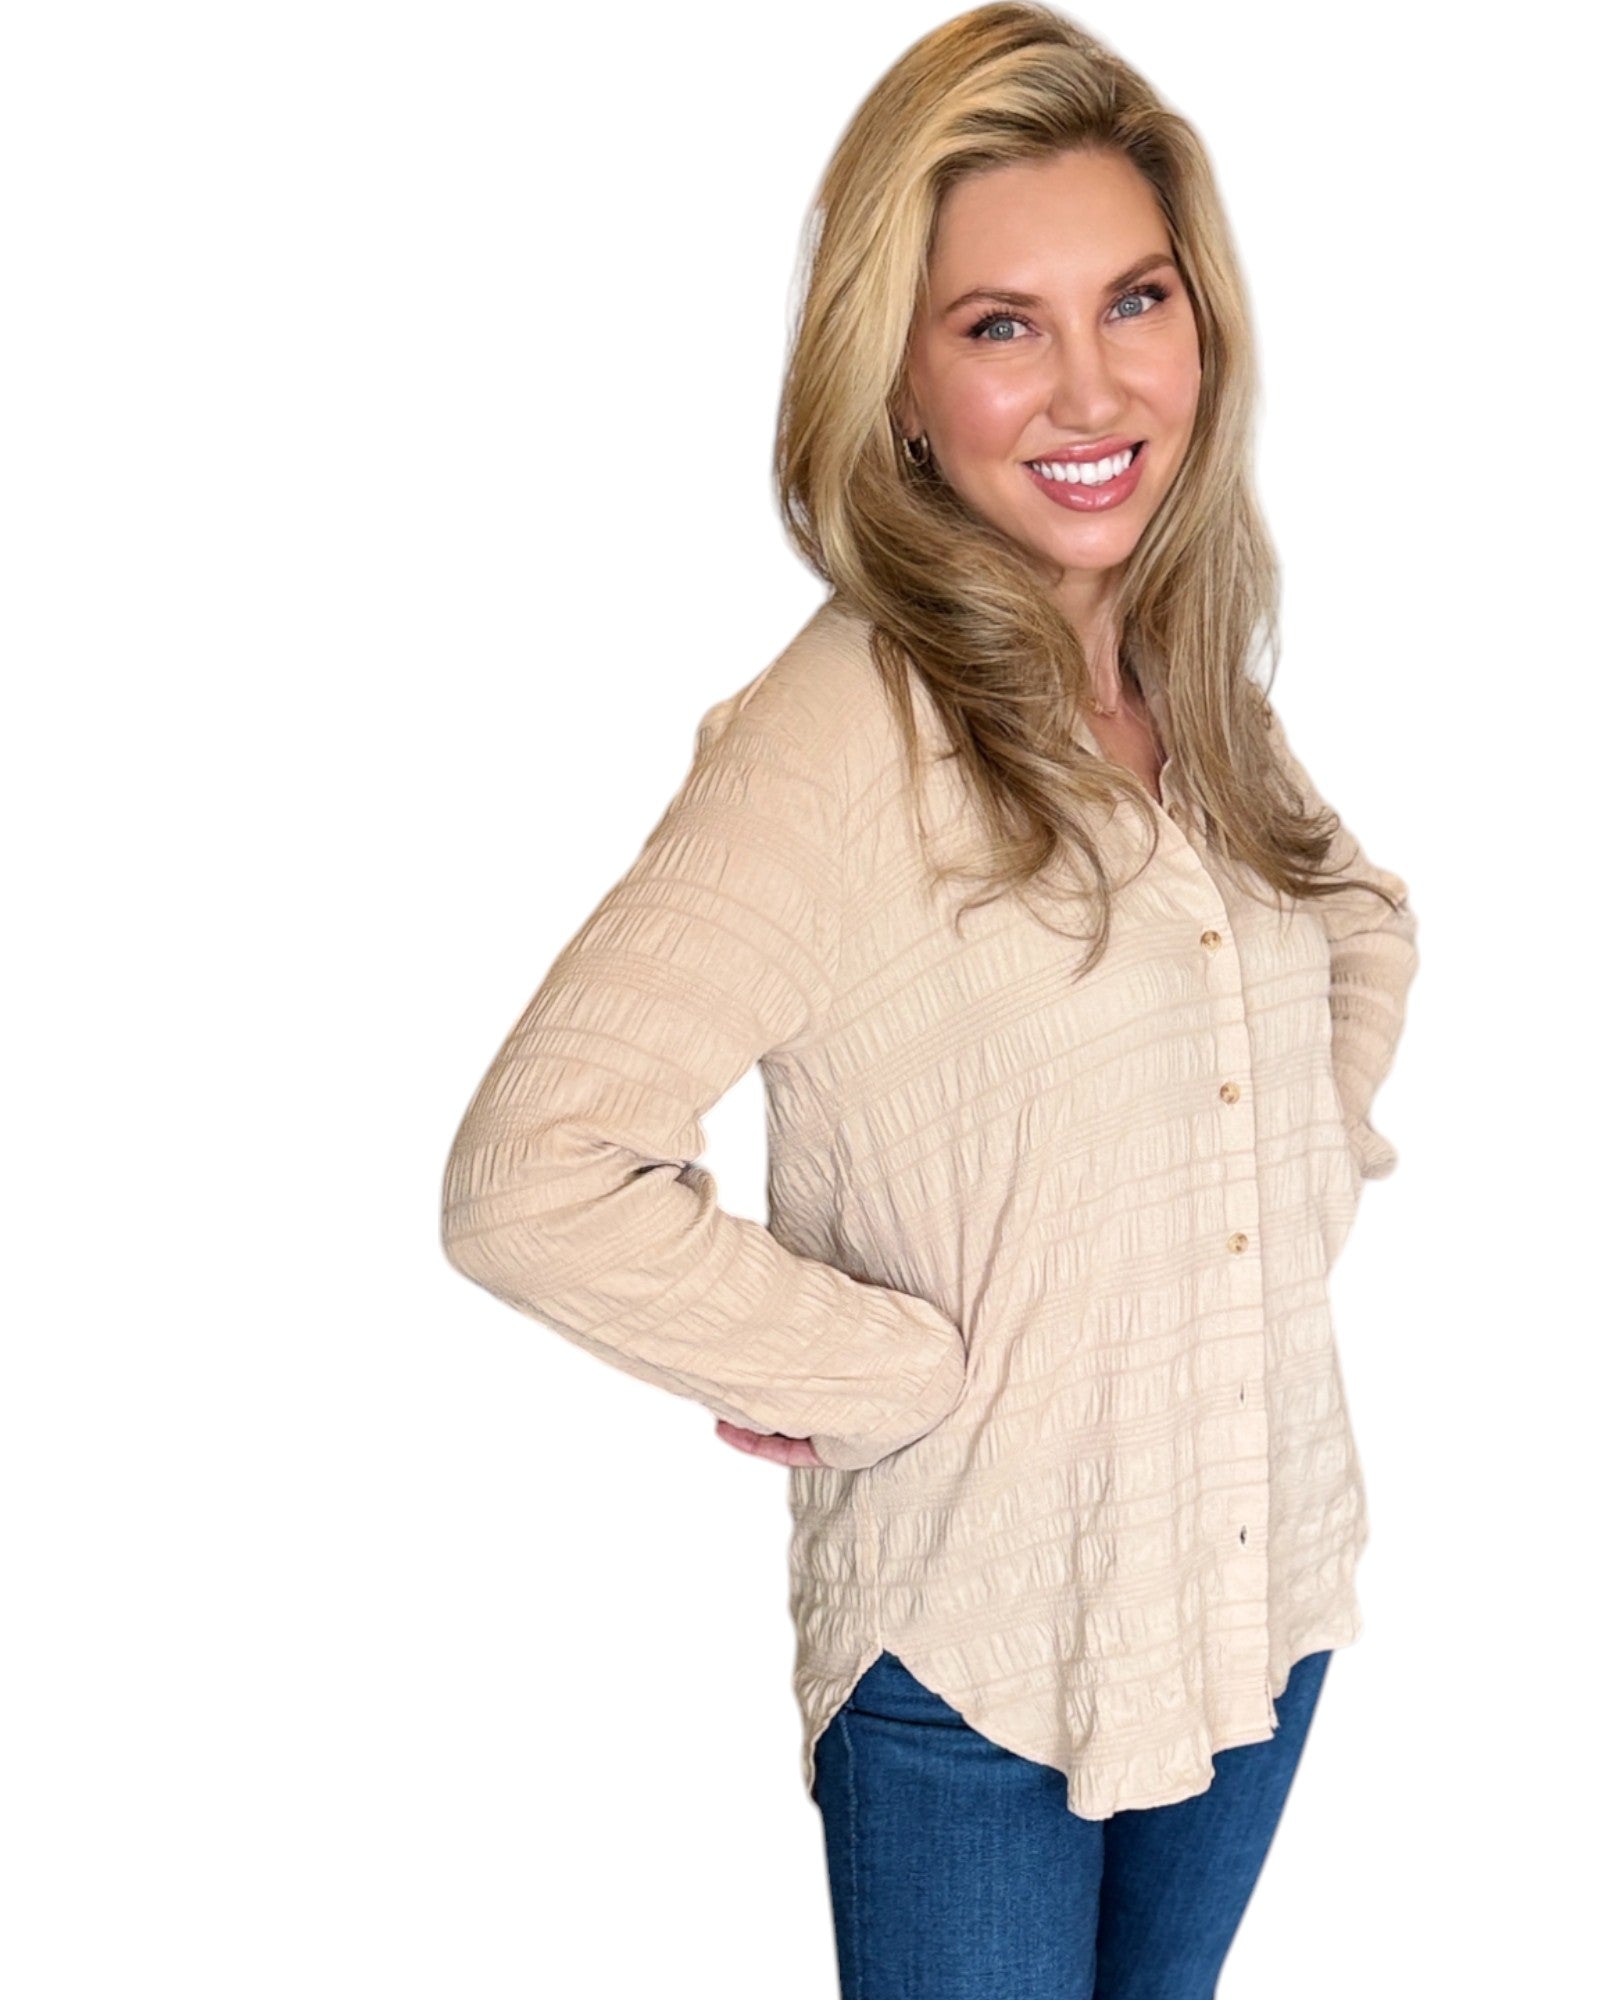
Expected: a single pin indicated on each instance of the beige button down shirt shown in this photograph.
(1046, 1277)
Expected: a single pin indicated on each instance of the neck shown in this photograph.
(1101, 645)
(1108, 688)
(1085, 598)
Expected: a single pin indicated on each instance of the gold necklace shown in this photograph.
(1125, 684)
(1117, 706)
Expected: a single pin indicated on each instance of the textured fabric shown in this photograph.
(1046, 1274)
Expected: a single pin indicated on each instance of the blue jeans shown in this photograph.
(957, 1872)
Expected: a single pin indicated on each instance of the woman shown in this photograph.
(1041, 1321)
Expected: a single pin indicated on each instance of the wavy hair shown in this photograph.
(947, 596)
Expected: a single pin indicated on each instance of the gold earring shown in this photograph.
(913, 456)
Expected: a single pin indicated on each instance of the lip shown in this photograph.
(1080, 454)
(1091, 499)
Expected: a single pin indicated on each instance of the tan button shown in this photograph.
(1211, 939)
(1238, 1240)
(1229, 1093)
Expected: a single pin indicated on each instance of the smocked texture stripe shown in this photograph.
(1046, 1273)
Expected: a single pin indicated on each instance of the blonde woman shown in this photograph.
(1071, 998)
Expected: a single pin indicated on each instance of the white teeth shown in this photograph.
(1084, 475)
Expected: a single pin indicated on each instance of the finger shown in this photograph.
(764, 1444)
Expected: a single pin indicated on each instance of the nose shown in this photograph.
(1085, 392)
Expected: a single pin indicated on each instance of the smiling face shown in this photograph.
(1089, 350)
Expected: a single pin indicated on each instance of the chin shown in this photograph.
(1102, 554)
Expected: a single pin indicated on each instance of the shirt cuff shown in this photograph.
(1375, 1157)
(939, 1396)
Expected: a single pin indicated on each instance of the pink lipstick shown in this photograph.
(1090, 499)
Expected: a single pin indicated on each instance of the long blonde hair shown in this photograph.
(947, 596)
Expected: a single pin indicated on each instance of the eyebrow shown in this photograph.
(1117, 284)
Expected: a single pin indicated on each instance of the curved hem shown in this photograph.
(1104, 1802)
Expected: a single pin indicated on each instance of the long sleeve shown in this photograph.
(573, 1190)
(1373, 958)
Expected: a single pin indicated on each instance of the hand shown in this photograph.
(764, 1444)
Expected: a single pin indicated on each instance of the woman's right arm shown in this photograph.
(573, 1190)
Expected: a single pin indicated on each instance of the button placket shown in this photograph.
(1241, 1517)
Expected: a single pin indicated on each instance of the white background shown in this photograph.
(388, 406)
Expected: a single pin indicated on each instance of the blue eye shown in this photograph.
(996, 319)
(1155, 293)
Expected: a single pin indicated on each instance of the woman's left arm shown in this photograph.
(1373, 960)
